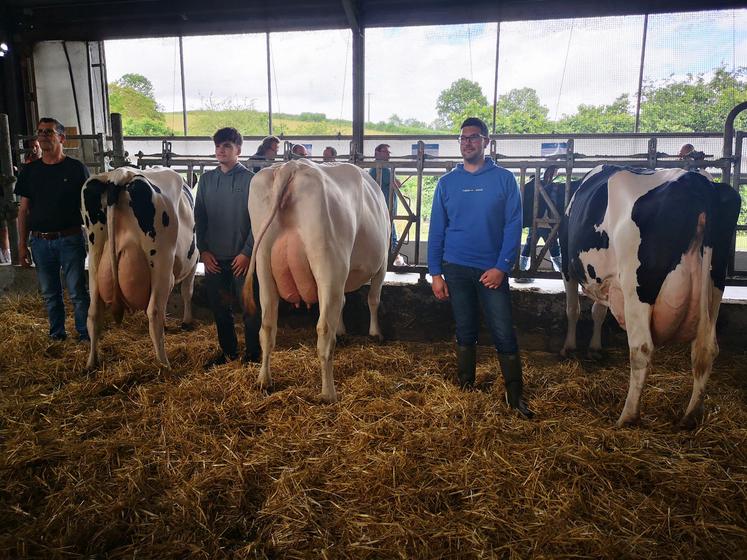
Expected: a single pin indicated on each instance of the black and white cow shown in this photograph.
(652, 246)
(140, 226)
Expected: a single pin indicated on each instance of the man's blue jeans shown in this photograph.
(468, 295)
(69, 254)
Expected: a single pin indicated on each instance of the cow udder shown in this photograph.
(676, 310)
(291, 269)
(133, 277)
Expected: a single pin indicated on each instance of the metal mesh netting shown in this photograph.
(567, 68)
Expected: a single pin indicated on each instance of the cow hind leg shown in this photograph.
(598, 313)
(703, 352)
(93, 323)
(156, 311)
(96, 307)
(638, 321)
(269, 300)
(330, 307)
(187, 289)
(571, 311)
(341, 330)
(374, 298)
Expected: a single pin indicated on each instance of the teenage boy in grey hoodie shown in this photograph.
(224, 238)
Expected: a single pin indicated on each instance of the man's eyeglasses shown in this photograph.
(46, 132)
(473, 139)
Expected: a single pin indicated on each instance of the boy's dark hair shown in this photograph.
(474, 121)
(58, 126)
(227, 134)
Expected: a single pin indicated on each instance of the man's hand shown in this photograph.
(492, 278)
(211, 264)
(24, 257)
(239, 264)
(439, 287)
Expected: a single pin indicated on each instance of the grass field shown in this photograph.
(254, 123)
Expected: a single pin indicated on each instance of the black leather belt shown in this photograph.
(50, 235)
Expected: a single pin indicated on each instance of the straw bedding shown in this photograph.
(132, 462)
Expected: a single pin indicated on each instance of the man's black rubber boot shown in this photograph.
(511, 368)
(466, 357)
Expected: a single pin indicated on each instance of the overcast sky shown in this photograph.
(568, 62)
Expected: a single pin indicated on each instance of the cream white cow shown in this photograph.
(652, 246)
(320, 231)
(140, 226)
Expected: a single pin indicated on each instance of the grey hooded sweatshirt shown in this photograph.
(222, 220)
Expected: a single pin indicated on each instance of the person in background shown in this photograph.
(556, 192)
(686, 150)
(50, 225)
(382, 153)
(472, 243)
(32, 152)
(299, 151)
(267, 151)
(225, 241)
(329, 154)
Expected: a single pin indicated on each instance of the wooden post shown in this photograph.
(9, 209)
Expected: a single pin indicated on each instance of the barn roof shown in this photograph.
(34, 20)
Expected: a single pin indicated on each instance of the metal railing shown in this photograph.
(409, 214)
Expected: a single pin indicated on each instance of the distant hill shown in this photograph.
(254, 123)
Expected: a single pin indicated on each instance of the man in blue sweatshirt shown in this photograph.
(225, 241)
(472, 243)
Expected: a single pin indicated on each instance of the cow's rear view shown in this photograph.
(319, 231)
(140, 226)
(652, 246)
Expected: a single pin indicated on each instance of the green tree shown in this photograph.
(697, 104)
(454, 101)
(139, 83)
(614, 117)
(132, 96)
(520, 111)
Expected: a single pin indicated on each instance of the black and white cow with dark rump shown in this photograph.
(652, 246)
(140, 226)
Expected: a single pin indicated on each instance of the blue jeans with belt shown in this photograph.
(467, 295)
(69, 255)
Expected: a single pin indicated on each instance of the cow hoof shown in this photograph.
(568, 354)
(329, 399)
(188, 326)
(376, 338)
(691, 421)
(267, 388)
(265, 383)
(596, 354)
(342, 340)
(628, 422)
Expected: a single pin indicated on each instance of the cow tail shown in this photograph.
(704, 320)
(281, 180)
(117, 305)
